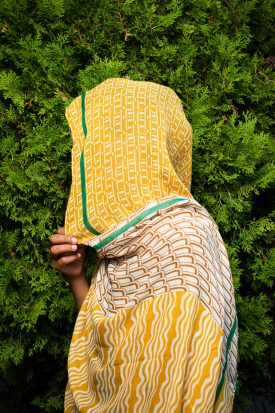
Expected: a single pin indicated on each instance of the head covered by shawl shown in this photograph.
(131, 145)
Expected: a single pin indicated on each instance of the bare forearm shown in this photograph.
(79, 287)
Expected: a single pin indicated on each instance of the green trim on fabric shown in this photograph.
(83, 194)
(84, 125)
(82, 173)
(228, 344)
(136, 220)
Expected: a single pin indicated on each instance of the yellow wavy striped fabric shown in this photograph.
(157, 332)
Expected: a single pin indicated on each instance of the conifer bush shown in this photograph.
(217, 55)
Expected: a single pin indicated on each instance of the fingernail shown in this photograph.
(74, 247)
(78, 254)
(74, 240)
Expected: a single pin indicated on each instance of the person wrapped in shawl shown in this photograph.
(156, 329)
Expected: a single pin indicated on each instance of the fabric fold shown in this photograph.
(157, 331)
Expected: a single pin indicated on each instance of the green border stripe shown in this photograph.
(229, 340)
(83, 193)
(136, 220)
(82, 173)
(84, 125)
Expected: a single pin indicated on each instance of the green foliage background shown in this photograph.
(217, 56)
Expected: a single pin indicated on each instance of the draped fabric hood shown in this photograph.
(131, 150)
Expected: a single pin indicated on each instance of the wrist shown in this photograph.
(79, 286)
(76, 279)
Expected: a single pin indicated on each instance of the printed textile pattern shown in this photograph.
(157, 332)
(132, 145)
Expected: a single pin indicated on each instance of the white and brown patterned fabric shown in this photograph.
(157, 331)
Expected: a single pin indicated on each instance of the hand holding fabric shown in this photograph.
(67, 257)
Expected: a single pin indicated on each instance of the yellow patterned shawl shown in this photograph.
(157, 332)
(132, 145)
